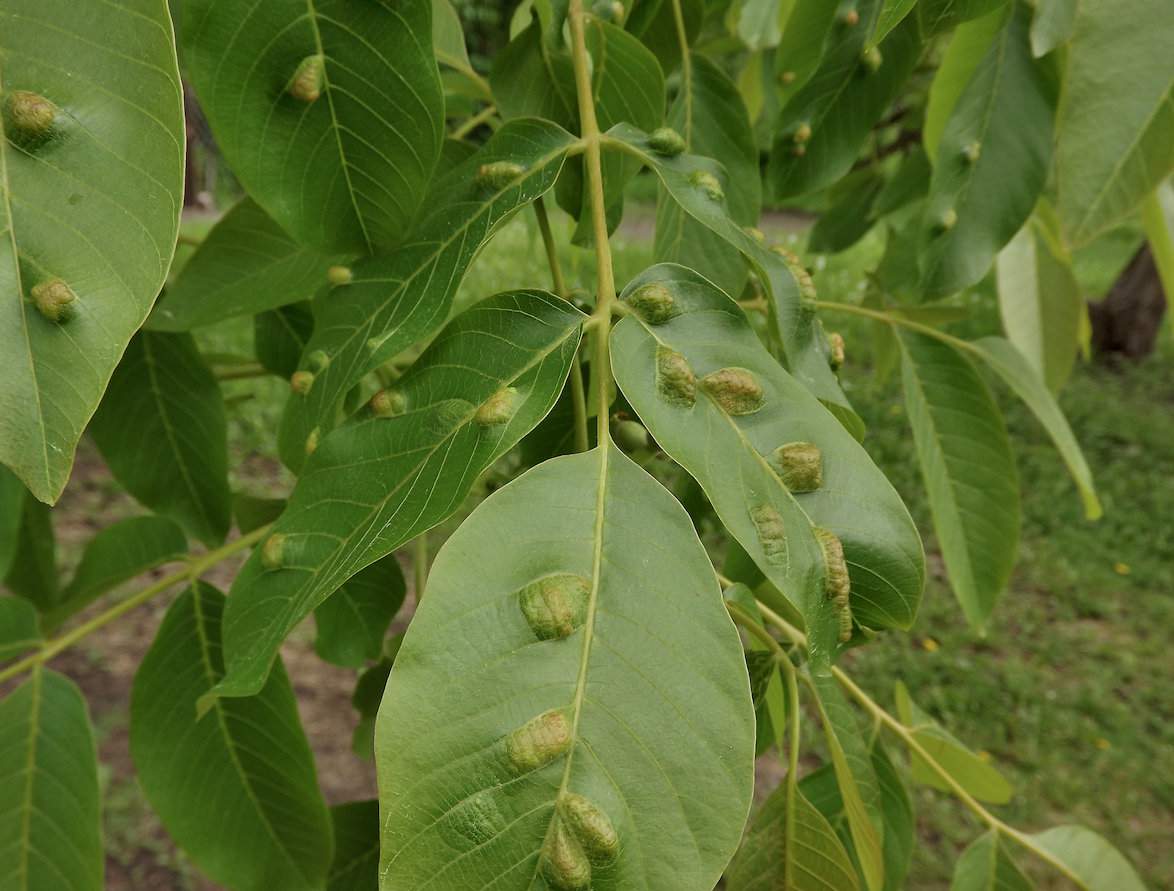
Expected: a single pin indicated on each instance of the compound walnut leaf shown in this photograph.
(582, 741)
(968, 467)
(1082, 855)
(393, 301)
(19, 628)
(330, 112)
(699, 186)
(775, 468)
(986, 865)
(163, 432)
(245, 265)
(91, 179)
(236, 788)
(489, 377)
(50, 822)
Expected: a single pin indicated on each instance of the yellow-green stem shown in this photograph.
(196, 567)
(589, 131)
(467, 127)
(686, 71)
(241, 372)
(420, 564)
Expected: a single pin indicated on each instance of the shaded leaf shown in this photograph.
(938, 16)
(356, 847)
(1052, 25)
(810, 30)
(280, 337)
(367, 695)
(93, 204)
(235, 788)
(12, 496)
(162, 432)
(353, 621)
(986, 865)
(346, 166)
(974, 774)
(465, 793)
(19, 629)
(1114, 135)
(766, 683)
(891, 15)
(397, 300)
(654, 23)
(33, 571)
(969, 471)
(116, 554)
(1087, 859)
(897, 811)
(448, 37)
(992, 161)
(375, 484)
(50, 824)
(733, 457)
(252, 511)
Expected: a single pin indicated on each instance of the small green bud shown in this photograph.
(54, 299)
(971, 152)
(836, 350)
(666, 141)
(498, 174)
(653, 302)
(539, 741)
(708, 183)
(555, 605)
(947, 220)
(850, 17)
(301, 382)
(675, 381)
(630, 436)
(273, 551)
(498, 408)
(30, 116)
(590, 826)
(872, 59)
(564, 864)
(309, 79)
(787, 77)
(735, 390)
(800, 466)
(339, 275)
(802, 132)
(387, 403)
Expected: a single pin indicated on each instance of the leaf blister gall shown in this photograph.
(675, 381)
(301, 382)
(653, 302)
(499, 407)
(666, 141)
(29, 117)
(273, 551)
(475, 821)
(54, 299)
(591, 827)
(555, 605)
(837, 582)
(836, 353)
(708, 183)
(772, 533)
(309, 79)
(539, 741)
(564, 863)
(735, 390)
(800, 466)
(312, 441)
(388, 403)
(339, 275)
(498, 174)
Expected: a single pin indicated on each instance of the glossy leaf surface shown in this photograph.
(236, 788)
(375, 484)
(93, 203)
(731, 456)
(330, 112)
(650, 721)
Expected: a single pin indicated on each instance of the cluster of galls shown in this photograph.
(581, 836)
(30, 121)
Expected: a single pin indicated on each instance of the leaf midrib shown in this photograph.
(26, 814)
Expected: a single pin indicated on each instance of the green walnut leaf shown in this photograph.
(968, 468)
(766, 683)
(805, 39)
(32, 572)
(793, 851)
(161, 429)
(892, 14)
(654, 22)
(280, 337)
(235, 788)
(986, 865)
(1040, 301)
(354, 621)
(490, 376)
(711, 118)
(396, 300)
(1114, 134)
(1085, 858)
(245, 265)
(1052, 25)
(991, 162)
(50, 822)
(116, 554)
(331, 113)
(356, 847)
(12, 497)
(938, 16)
(735, 456)
(699, 186)
(19, 629)
(840, 103)
(90, 195)
(617, 751)
(973, 774)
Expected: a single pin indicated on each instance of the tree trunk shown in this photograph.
(1127, 322)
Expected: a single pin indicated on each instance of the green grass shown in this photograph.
(1069, 692)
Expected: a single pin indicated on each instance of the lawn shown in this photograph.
(1070, 691)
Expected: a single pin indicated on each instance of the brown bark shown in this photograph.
(1127, 322)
